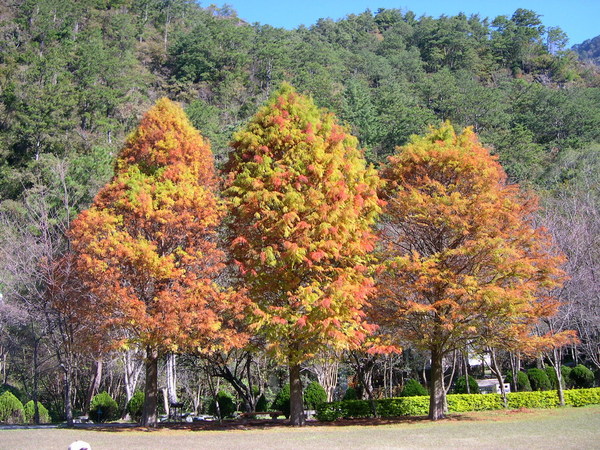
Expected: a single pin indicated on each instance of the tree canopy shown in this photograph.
(463, 261)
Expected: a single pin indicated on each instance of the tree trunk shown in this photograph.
(94, 384)
(296, 400)
(133, 369)
(559, 381)
(172, 378)
(68, 404)
(465, 358)
(36, 375)
(149, 416)
(365, 376)
(498, 373)
(437, 393)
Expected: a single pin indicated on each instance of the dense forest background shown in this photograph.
(75, 78)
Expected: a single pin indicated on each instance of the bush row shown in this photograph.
(578, 377)
(418, 406)
(12, 411)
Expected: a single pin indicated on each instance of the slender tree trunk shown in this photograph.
(149, 416)
(365, 375)
(36, 371)
(166, 404)
(559, 382)
(296, 401)
(437, 393)
(94, 384)
(498, 373)
(133, 369)
(465, 358)
(68, 404)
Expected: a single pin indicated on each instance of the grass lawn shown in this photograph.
(543, 429)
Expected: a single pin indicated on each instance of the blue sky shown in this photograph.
(580, 19)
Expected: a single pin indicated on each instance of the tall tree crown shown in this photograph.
(463, 258)
(147, 245)
(302, 204)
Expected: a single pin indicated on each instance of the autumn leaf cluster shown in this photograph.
(462, 260)
(303, 203)
(147, 247)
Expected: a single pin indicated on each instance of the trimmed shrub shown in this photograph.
(581, 377)
(539, 380)
(282, 401)
(413, 388)
(226, 405)
(261, 403)
(135, 406)
(350, 394)
(582, 397)
(328, 412)
(551, 374)
(103, 408)
(314, 394)
(403, 406)
(566, 375)
(419, 406)
(522, 384)
(11, 409)
(460, 387)
(29, 411)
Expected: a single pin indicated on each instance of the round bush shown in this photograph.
(566, 376)
(11, 409)
(460, 387)
(135, 406)
(581, 377)
(29, 410)
(14, 391)
(226, 405)
(261, 403)
(552, 377)
(103, 408)
(522, 384)
(350, 394)
(314, 395)
(539, 380)
(413, 388)
(282, 401)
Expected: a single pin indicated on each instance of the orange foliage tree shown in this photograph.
(147, 250)
(302, 203)
(462, 262)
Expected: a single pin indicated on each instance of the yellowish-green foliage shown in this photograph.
(302, 203)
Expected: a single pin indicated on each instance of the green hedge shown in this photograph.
(419, 406)
(103, 408)
(11, 409)
(135, 406)
(29, 411)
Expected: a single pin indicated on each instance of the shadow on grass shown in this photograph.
(263, 424)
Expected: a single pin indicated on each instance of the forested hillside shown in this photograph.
(589, 50)
(76, 77)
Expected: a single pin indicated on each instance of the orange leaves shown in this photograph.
(461, 259)
(146, 246)
(314, 207)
